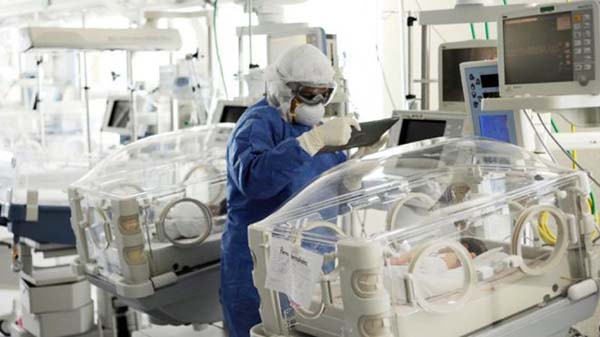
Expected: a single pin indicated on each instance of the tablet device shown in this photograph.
(369, 134)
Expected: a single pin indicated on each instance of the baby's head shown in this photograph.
(475, 246)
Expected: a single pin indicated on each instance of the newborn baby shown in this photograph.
(445, 260)
(438, 274)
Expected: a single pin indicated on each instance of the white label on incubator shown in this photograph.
(293, 271)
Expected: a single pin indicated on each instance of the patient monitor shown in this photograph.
(550, 50)
(480, 81)
(229, 111)
(451, 55)
(414, 126)
(117, 115)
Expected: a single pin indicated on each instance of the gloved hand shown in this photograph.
(334, 132)
(367, 150)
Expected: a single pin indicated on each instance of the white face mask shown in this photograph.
(309, 115)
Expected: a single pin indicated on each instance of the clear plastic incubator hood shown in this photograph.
(439, 238)
(36, 167)
(148, 222)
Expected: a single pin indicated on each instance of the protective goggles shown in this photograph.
(312, 95)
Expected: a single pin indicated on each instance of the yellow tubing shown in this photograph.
(549, 237)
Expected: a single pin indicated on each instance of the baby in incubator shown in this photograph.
(442, 272)
(444, 260)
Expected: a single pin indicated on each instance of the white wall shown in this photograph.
(358, 26)
(359, 31)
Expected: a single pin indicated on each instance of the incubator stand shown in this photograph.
(148, 222)
(452, 237)
(35, 172)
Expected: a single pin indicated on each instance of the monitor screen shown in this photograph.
(231, 113)
(489, 81)
(536, 49)
(119, 116)
(495, 127)
(452, 90)
(548, 48)
(414, 130)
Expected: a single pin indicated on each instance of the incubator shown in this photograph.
(148, 222)
(38, 161)
(38, 164)
(447, 237)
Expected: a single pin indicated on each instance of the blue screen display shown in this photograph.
(495, 127)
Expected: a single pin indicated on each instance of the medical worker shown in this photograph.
(272, 153)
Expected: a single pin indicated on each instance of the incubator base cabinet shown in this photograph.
(54, 302)
(148, 222)
(34, 176)
(457, 237)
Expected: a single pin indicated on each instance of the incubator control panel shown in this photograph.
(480, 81)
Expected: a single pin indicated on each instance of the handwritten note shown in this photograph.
(293, 271)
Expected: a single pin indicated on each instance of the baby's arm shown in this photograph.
(450, 259)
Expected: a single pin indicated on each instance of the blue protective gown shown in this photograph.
(265, 167)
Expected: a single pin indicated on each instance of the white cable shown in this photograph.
(539, 137)
(249, 4)
(9, 87)
(216, 38)
(385, 81)
(589, 174)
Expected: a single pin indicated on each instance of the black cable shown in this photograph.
(2, 332)
(596, 182)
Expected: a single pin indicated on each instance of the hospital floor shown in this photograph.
(590, 328)
(213, 330)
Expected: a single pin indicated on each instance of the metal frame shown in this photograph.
(466, 14)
